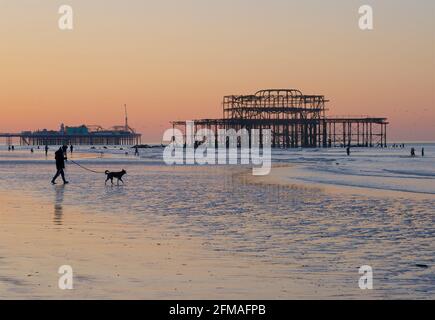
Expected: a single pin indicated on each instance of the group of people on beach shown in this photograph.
(413, 152)
(401, 146)
(64, 149)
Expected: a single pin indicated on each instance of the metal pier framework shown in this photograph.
(295, 120)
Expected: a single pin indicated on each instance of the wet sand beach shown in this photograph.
(209, 232)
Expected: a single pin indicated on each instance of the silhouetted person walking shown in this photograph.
(412, 152)
(46, 150)
(422, 152)
(60, 165)
(348, 151)
(71, 149)
(136, 151)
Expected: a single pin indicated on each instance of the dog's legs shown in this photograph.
(121, 180)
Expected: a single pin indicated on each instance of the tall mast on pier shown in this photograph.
(127, 127)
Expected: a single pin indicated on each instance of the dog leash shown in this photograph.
(87, 168)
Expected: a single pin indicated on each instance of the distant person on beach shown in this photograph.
(12, 148)
(46, 150)
(71, 149)
(422, 152)
(136, 151)
(9, 148)
(348, 151)
(412, 152)
(60, 157)
(31, 150)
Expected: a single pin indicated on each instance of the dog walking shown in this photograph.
(60, 157)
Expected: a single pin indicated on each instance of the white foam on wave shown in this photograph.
(385, 169)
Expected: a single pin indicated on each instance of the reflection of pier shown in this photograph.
(296, 120)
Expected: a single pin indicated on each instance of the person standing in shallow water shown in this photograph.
(422, 152)
(60, 157)
(412, 152)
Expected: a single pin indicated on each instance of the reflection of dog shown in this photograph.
(117, 175)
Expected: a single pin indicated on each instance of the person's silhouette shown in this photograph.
(60, 157)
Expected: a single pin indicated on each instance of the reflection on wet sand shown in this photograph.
(58, 205)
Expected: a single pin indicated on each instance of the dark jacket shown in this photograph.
(60, 159)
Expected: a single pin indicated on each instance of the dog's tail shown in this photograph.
(107, 172)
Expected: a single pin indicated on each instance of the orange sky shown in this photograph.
(172, 59)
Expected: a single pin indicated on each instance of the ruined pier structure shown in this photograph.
(295, 120)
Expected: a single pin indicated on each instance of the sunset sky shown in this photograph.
(175, 59)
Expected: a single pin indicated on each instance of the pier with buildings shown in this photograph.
(79, 135)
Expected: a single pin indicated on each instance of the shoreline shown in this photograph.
(283, 175)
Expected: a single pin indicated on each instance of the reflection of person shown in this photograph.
(58, 209)
(60, 157)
